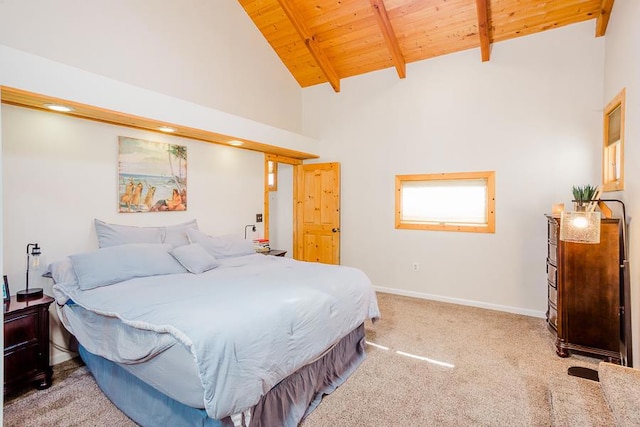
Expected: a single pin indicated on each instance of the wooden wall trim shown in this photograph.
(22, 98)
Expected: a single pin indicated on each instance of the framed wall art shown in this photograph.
(152, 176)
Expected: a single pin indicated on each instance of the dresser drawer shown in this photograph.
(552, 317)
(552, 231)
(20, 330)
(552, 253)
(553, 295)
(552, 275)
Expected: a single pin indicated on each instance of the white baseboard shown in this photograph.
(505, 308)
(62, 357)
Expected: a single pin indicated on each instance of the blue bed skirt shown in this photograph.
(286, 404)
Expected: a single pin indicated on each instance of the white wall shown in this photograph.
(622, 70)
(532, 114)
(207, 52)
(59, 173)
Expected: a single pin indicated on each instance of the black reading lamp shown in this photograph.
(584, 227)
(33, 293)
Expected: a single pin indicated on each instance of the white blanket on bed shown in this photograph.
(248, 324)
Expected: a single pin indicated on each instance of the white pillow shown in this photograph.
(194, 258)
(62, 271)
(118, 263)
(114, 235)
(222, 246)
(176, 235)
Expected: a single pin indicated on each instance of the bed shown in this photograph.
(182, 328)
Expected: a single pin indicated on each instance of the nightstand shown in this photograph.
(26, 343)
(275, 252)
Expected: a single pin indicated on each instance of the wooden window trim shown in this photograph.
(491, 220)
(277, 159)
(274, 186)
(614, 184)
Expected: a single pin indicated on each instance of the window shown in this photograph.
(446, 201)
(613, 147)
(272, 175)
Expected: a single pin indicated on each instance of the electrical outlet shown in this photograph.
(258, 217)
(415, 266)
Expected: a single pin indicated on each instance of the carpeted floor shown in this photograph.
(433, 364)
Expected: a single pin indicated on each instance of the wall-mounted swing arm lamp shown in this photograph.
(253, 228)
(33, 262)
(584, 227)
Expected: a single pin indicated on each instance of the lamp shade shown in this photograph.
(580, 227)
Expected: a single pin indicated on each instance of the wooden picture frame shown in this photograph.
(6, 295)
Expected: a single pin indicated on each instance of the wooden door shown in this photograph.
(317, 213)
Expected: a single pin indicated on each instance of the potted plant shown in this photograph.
(582, 196)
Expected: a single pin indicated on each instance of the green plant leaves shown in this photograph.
(584, 193)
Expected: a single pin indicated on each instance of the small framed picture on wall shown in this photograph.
(6, 296)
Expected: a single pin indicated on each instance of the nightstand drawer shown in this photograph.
(21, 330)
(21, 363)
(26, 343)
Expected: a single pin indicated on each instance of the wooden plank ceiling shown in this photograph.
(323, 41)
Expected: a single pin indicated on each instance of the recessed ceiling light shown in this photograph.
(166, 129)
(236, 143)
(59, 108)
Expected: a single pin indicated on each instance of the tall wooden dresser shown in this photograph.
(583, 282)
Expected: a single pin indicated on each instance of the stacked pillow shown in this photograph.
(114, 235)
(127, 252)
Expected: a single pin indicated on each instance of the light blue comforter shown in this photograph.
(248, 324)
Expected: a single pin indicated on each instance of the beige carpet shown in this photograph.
(476, 367)
(74, 401)
(621, 387)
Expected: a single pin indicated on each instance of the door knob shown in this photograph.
(335, 230)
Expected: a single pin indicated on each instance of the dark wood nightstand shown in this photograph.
(275, 252)
(26, 343)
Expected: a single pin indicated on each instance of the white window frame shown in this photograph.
(487, 226)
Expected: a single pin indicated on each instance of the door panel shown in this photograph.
(317, 216)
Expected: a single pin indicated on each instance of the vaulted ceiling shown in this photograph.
(323, 41)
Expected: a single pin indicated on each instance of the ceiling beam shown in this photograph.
(390, 37)
(603, 18)
(483, 29)
(312, 44)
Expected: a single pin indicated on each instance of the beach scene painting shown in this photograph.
(152, 176)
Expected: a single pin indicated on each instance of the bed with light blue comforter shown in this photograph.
(248, 324)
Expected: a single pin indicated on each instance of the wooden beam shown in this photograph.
(312, 44)
(389, 37)
(603, 18)
(483, 29)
